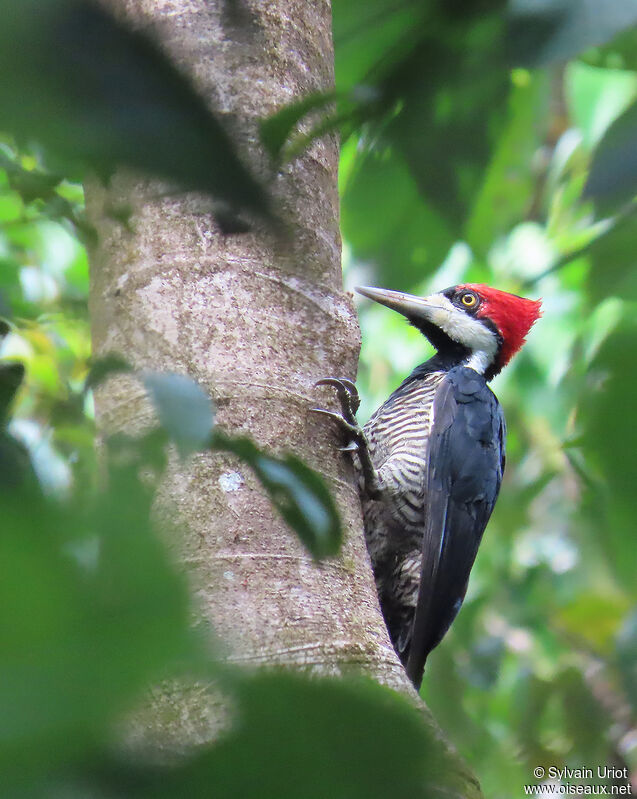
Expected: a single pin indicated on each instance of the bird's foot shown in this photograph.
(356, 440)
(350, 402)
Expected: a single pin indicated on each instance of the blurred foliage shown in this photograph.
(530, 188)
(75, 78)
(338, 746)
(479, 143)
(93, 611)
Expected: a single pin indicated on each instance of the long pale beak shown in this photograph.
(407, 304)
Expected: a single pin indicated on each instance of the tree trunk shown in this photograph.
(256, 323)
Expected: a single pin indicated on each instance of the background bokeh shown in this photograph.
(482, 142)
(540, 665)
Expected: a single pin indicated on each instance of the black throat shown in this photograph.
(448, 352)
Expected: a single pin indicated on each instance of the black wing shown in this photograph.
(465, 461)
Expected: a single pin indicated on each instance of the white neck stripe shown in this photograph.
(466, 330)
(478, 361)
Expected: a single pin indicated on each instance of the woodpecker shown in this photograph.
(431, 458)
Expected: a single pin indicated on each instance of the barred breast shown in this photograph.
(394, 525)
(397, 434)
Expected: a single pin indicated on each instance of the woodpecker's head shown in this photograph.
(472, 324)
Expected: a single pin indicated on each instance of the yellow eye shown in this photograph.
(468, 300)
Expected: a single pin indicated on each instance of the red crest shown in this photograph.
(512, 315)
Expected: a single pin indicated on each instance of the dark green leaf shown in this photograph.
(387, 222)
(613, 176)
(452, 93)
(596, 97)
(312, 739)
(627, 656)
(146, 451)
(370, 36)
(297, 492)
(30, 184)
(555, 30)
(433, 81)
(613, 261)
(584, 718)
(90, 612)
(105, 367)
(183, 407)
(11, 376)
(16, 469)
(508, 187)
(606, 412)
(276, 129)
(620, 53)
(99, 94)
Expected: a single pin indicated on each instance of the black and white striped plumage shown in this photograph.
(438, 446)
(432, 458)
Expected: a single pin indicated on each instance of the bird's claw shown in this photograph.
(349, 400)
(351, 447)
(344, 423)
(356, 439)
(347, 395)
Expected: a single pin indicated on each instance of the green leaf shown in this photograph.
(16, 469)
(11, 207)
(11, 377)
(296, 491)
(554, 30)
(90, 612)
(596, 97)
(627, 656)
(593, 618)
(435, 83)
(613, 258)
(276, 129)
(312, 739)
(102, 95)
(370, 36)
(610, 441)
(147, 451)
(387, 222)
(30, 184)
(613, 177)
(620, 53)
(105, 367)
(507, 190)
(584, 716)
(183, 407)
(449, 97)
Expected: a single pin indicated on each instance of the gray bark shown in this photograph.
(256, 323)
